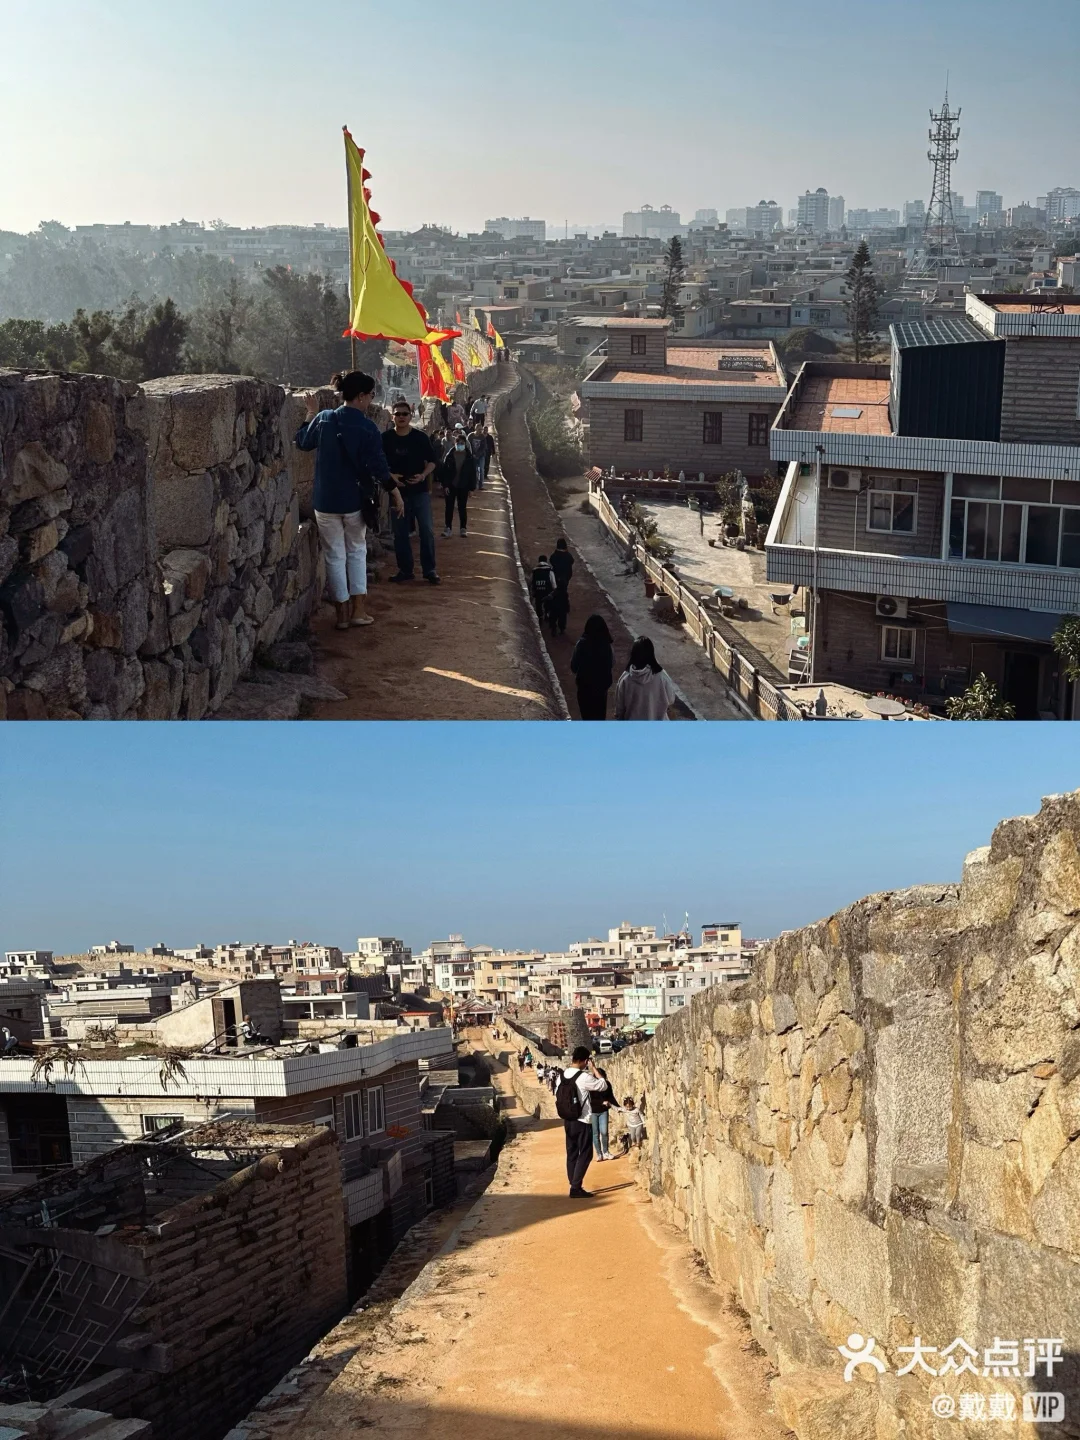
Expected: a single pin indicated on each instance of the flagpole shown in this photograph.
(352, 300)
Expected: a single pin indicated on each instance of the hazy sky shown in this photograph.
(513, 835)
(118, 109)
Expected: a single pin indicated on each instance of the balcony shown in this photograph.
(794, 557)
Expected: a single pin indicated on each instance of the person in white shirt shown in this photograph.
(581, 1073)
(635, 1123)
(645, 691)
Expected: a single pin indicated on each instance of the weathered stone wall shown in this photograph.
(879, 1133)
(151, 540)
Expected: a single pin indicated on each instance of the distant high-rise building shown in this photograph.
(653, 224)
(524, 229)
(764, 217)
(836, 212)
(814, 210)
(872, 219)
(1062, 203)
(914, 212)
(736, 219)
(706, 217)
(988, 207)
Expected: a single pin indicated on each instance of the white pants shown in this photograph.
(344, 546)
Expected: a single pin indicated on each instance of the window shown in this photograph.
(633, 424)
(1009, 521)
(323, 1114)
(376, 1117)
(713, 429)
(156, 1124)
(897, 644)
(891, 505)
(758, 430)
(354, 1115)
(638, 344)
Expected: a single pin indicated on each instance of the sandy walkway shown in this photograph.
(555, 1319)
(463, 651)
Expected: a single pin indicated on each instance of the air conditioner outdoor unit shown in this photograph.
(845, 479)
(890, 607)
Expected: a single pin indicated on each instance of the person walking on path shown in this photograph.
(593, 664)
(479, 410)
(412, 461)
(542, 586)
(489, 451)
(645, 691)
(478, 451)
(603, 1101)
(562, 562)
(350, 465)
(458, 477)
(580, 1081)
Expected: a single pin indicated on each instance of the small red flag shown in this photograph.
(491, 331)
(459, 367)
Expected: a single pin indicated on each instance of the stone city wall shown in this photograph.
(879, 1134)
(152, 538)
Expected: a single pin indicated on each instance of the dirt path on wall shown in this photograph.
(465, 650)
(555, 1319)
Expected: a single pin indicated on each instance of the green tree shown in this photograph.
(94, 333)
(35, 345)
(220, 331)
(674, 279)
(151, 338)
(864, 295)
(1066, 641)
(980, 701)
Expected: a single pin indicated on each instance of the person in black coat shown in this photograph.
(459, 478)
(593, 664)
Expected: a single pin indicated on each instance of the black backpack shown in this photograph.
(568, 1098)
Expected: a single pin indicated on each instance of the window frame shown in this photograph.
(638, 424)
(712, 427)
(325, 1118)
(758, 427)
(639, 343)
(353, 1105)
(898, 631)
(912, 495)
(376, 1093)
(154, 1124)
(1065, 513)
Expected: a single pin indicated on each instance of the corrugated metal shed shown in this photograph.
(947, 378)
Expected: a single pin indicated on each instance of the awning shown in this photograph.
(1000, 622)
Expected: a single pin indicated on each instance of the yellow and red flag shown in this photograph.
(444, 370)
(475, 322)
(382, 307)
(431, 380)
(500, 343)
(459, 368)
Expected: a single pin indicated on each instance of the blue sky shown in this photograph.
(125, 110)
(514, 835)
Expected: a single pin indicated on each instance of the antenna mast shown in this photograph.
(941, 245)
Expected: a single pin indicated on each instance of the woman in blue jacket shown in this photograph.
(349, 468)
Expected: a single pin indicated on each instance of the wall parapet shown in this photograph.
(879, 1132)
(152, 539)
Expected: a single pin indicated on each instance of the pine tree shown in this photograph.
(674, 279)
(862, 302)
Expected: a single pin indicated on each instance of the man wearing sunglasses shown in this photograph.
(412, 461)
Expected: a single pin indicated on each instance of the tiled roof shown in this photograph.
(823, 397)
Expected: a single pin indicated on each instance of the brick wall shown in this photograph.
(842, 521)
(1041, 392)
(621, 350)
(243, 1281)
(849, 647)
(673, 434)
